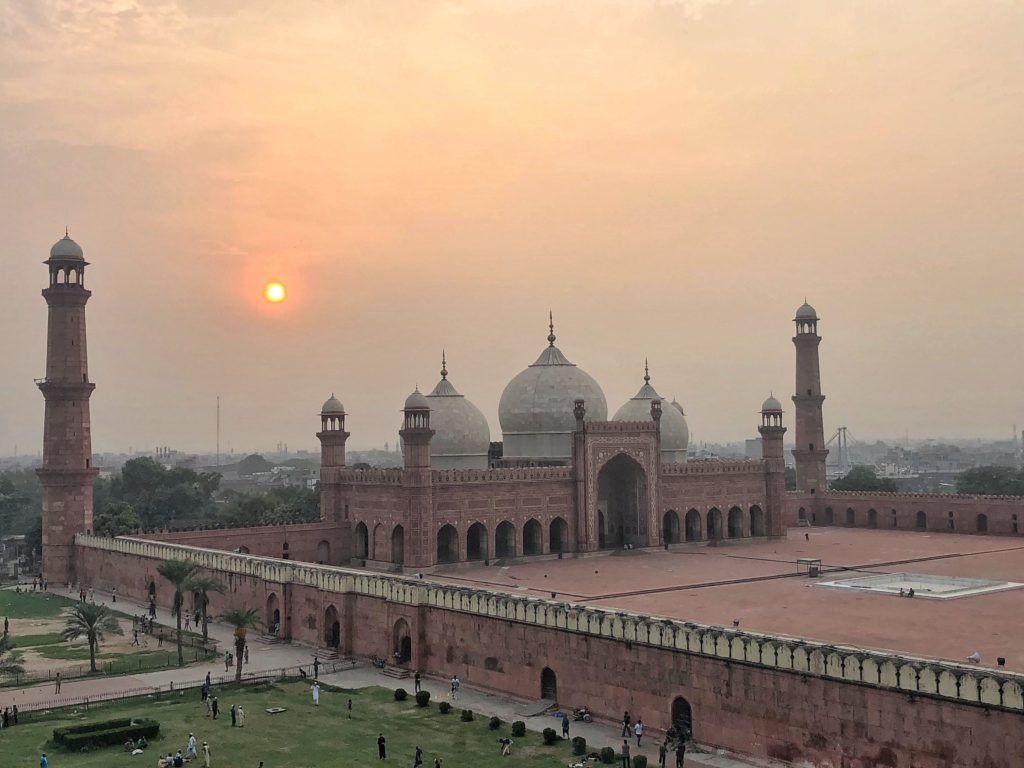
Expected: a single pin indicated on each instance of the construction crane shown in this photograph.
(842, 452)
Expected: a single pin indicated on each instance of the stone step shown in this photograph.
(398, 673)
(326, 654)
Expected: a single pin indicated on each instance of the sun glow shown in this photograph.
(274, 292)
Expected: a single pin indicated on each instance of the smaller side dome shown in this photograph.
(332, 407)
(678, 406)
(66, 248)
(806, 312)
(771, 404)
(416, 402)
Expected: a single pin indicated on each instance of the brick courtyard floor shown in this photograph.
(756, 583)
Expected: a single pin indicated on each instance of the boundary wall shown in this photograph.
(766, 695)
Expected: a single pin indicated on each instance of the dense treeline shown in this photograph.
(997, 481)
(864, 478)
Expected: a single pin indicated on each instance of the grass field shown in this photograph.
(32, 605)
(304, 736)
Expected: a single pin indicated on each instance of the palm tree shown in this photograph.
(241, 619)
(205, 583)
(10, 662)
(178, 572)
(91, 621)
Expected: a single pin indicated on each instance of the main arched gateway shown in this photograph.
(622, 503)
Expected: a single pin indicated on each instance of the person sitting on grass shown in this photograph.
(178, 760)
(129, 746)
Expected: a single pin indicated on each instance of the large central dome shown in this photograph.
(536, 408)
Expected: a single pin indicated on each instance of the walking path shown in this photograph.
(264, 658)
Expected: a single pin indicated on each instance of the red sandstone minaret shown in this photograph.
(332, 436)
(67, 473)
(772, 431)
(417, 481)
(810, 451)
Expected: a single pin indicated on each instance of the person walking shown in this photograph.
(316, 667)
(208, 683)
(417, 761)
(316, 694)
(234, 716)
(350, 709)
(417, 683)
(662, 755)
(56, 683)
(625, 753)
(680, 753)
(215, 708)
(437, 762)
(626, 720)
(246, 660)
(43, 762)
(190, 750)
(638, 729)
(453, 688)
(565, 725)
(14, 714)
(241, 717)
(206, 755)
(381, 753)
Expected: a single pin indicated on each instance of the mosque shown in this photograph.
(565, 480)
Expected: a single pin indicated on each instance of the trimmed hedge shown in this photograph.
(422, 698)
(579, 745)
(494, 723)
(519, 728)
(105, 733)
(550, 736)
(467, 715)
(607, 755)
(401, 694)
(640, 761)
(445, 707)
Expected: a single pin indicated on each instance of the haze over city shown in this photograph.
(670, 179)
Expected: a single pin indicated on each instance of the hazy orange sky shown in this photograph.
(671, 178)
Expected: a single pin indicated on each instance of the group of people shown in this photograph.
(674, 742)
(9, 717)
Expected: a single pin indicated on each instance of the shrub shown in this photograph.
(607, 755)
(105, 733)
(640, 761)
(494, 723)
(445, 707)
(550, 735)
(400, 694)
(579, 745)
(423, 698)
(467, 715)
(519, 728)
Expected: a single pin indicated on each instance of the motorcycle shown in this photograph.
(582, 714)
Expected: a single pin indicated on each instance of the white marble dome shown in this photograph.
(462, 438)
(416, 402)
(675, 432)
(806, 312)
(332, 407)
(66, 248)
(536, 408)
(771, 404)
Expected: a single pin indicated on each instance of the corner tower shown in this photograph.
(417, 482)
(67, 473)
(772, 432)
(810, 451)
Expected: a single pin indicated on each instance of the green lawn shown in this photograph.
(302, 737)
(31, 605)
(34, 641)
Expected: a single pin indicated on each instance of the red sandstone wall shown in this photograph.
(1004, 515)
(746, 708)
(302, 541)
(703, 487)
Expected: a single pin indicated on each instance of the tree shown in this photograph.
(252, 464)
(92, 621)
(993, 481)
(118, 518)
(790, 479)
(10, 662)
(179, 573)
(204, 583)
(241, 619)
(863, 478)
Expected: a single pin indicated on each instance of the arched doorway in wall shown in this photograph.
(323, 552)
(714, 524)
(830, 518)
(622, 498)
(476, 542)
(981, 523)
(362, 543)
(558, 535)
(872, 518)
(379, 542)
(548, 684)
(735, 522)
(682, 717)
(332, 628)
(921, 521)
(505, 540)
(447, 544)
(533, 538)
(398, 545)
(692, 526)
(851, 516)
(801, 514)
(670, 527)
(402, 642)
(273, 615)
(756, 521)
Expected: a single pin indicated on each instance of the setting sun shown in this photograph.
(274, 292)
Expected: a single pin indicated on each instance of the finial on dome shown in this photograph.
(66, 233)
(444, 366)
(647, 374)
(551, 328)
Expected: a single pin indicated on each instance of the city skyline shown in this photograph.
(659, 175)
